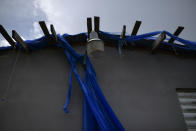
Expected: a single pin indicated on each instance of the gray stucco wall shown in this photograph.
(139, 86)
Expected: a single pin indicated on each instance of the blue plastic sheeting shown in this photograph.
(5, 48)
(97, 114)
(189, 46)
(32, 44)
(37, 43)
(105, 117)
(68, 93)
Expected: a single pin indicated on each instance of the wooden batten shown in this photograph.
(53, 32)
(89, 25)
(20, 41)
(45, 31)
(7, 37)
(176, 33)
(158, 41)
(136, 27)
(96, 23)
(123, 32)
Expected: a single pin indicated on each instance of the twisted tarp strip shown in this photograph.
(143, 36)
(108, 35)
(190, 44)
(101, 113)
(68, 93)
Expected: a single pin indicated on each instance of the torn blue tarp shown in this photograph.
(97, 113)
(189, 46)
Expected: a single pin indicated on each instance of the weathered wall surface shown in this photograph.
(139, 86)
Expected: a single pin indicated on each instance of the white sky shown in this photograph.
(69, 16)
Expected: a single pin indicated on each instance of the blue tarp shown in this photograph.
(188, 46)
(97, 114)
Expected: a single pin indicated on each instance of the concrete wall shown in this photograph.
(140, 88)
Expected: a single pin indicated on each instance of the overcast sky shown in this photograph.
(69, 16)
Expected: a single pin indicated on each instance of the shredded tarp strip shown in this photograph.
(68, 93)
